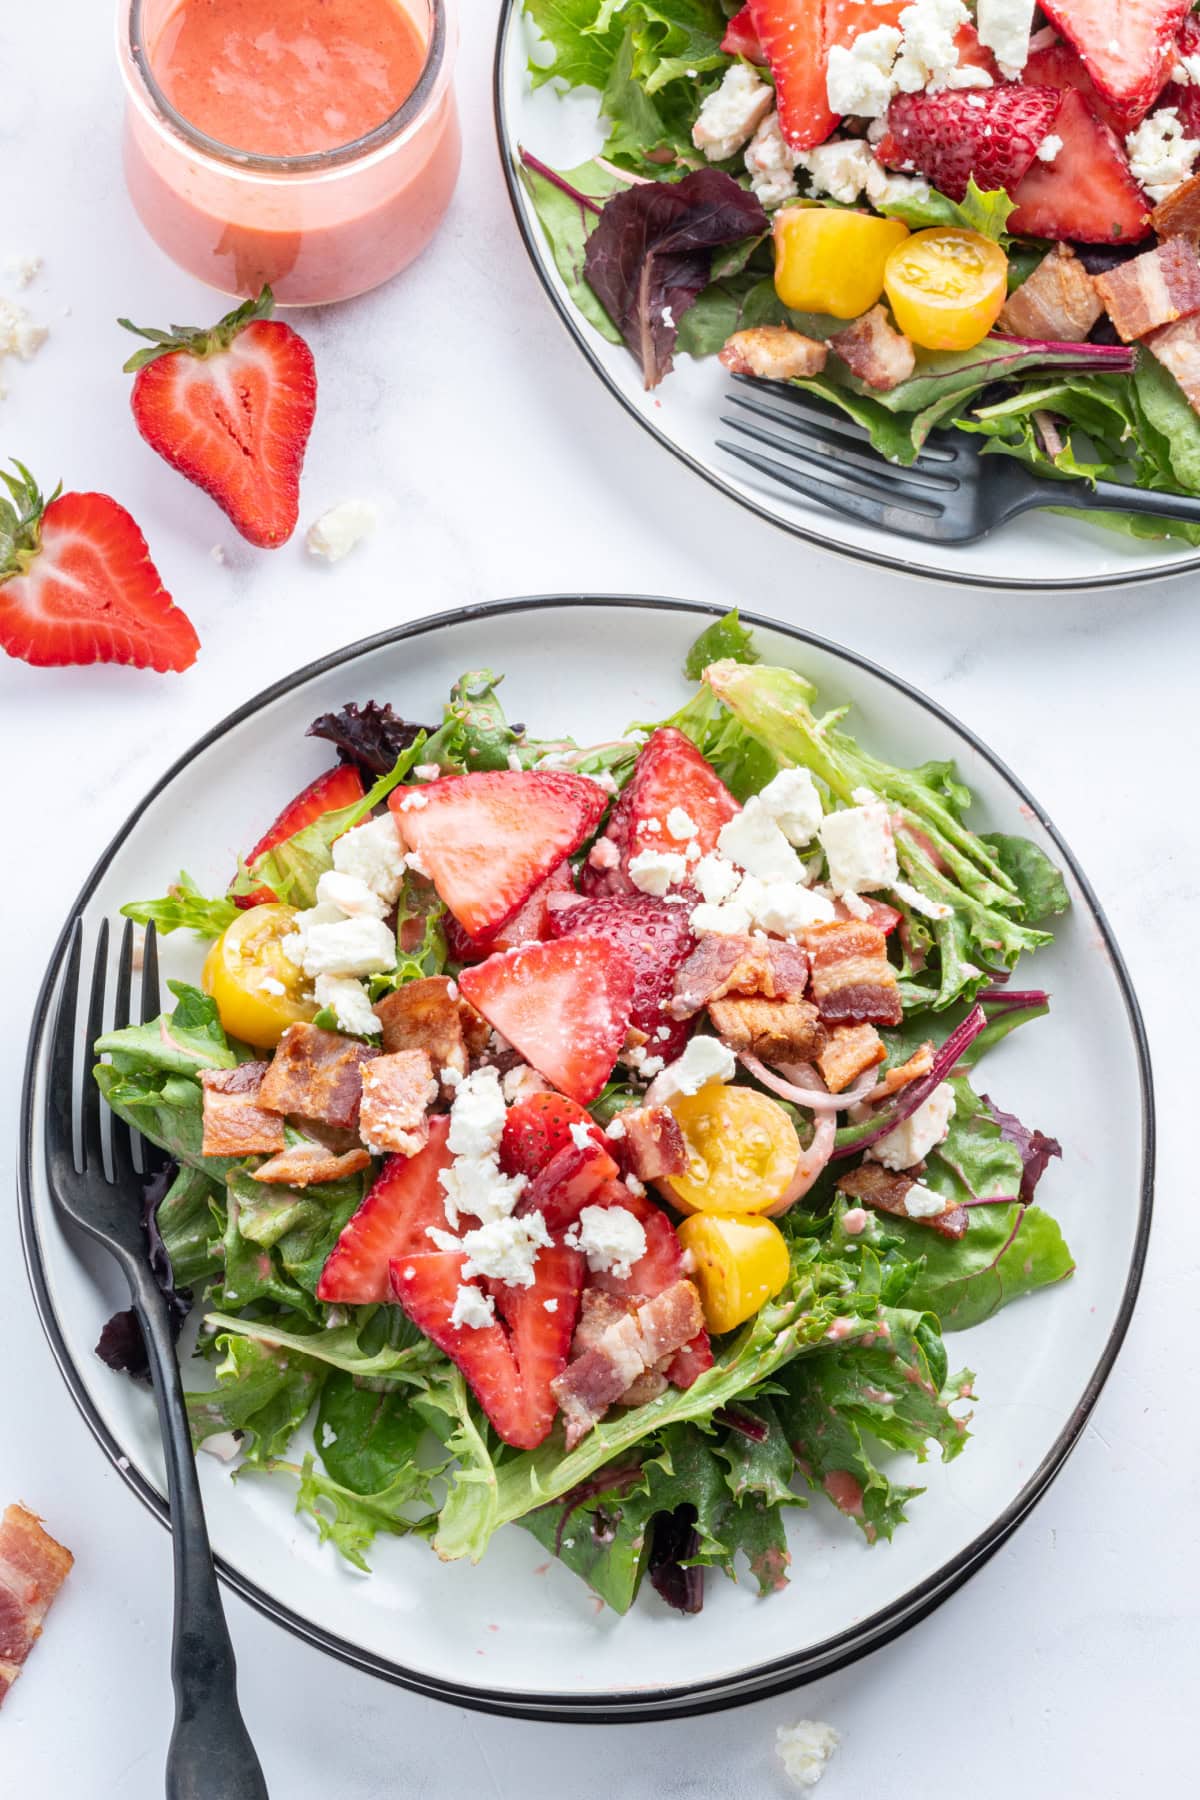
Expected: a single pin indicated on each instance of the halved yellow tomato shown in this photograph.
(739, 1264)
(742, 1151)
(258, 990)
(830, 260)
(946, 287)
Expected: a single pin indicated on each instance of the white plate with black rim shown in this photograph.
(1037, 551)
(513, 1634)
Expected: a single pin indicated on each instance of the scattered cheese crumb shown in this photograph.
(804, 1749)
(337, 531)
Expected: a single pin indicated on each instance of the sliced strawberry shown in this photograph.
(77, 584)
(406, 1197)
(1087, 192)
(741, 39)
(654, 938)
(564, 1006)
(885, 918)
(571, 1180)
(1185, 100)
(991, 133)
(796, 37)
(338, 787)
(524, 927)
(658, 1268)
(536, 1129)
(1058, 66)
(231, 407)
(488, 840)
(691, 1361)
(974, 55)
(510, 1363)
(670, 772)
(1127, 48)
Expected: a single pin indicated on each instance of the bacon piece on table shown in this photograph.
(234, 1123)
(853, 983)
(1058, 302)
(875, 351)
(317, 1074)
(397, 1093)
(623, 1352)
(302, 1165)
(721, 965)
(848, 1052)
(776, 1031)
(1177, 348)
(880, 1188)
(653, 1143)
(1151, 290)
(773, 353)
(33, 1566)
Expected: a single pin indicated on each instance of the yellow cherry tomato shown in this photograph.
(740, 1264)
(946, 287)
(258, 990)
(742, 1151)
(830, 260)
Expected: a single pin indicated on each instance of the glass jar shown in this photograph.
(319, 227)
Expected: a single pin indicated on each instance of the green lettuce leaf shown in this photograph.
(259, 1392)
(1008, 1251)
(350, 1520)
(568, 223)
(726, 637)
(1042, 890)
(584, 49)
(365, 1436)
(985, 212)
(183, 907)
(182, 1042)
(185, 1223)
(346, 1347)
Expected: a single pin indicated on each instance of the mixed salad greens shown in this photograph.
(821, 1356)
(1015, 184)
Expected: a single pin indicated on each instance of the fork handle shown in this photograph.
(211, 1756)
(1112, 496)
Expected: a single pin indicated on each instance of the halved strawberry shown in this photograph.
(796, 37)
(741, 39)
(526, 925)
(658, 1268)
(77, 584)
(1127, 48)
(571, 1180)
(1185, 100)
(406, 1197)
(885, 918)
(991, 133)
(338, 787)
(564, 1006)
(1087, 192)
(670, 772)
(231, 407)
(1058, 66)
(536, 1129)
(488, 840)
(510, 1363)
(654, 938)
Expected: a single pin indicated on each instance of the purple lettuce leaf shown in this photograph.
(1034, 1147)
(370, 737)
(674, 1541)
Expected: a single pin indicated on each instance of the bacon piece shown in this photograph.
(775, 1031)
(774, 353)
(571, 1180)
(33, 1566)
(623, 1351)
(653, 1143)
(597, 1311)
(426, 1015)
(1151, 290)
(880, 1188)
(721, 965)
(1058, 302)
(234, 1123)
(301, 1165)
(853, 983)
(848, 1052)
(918, 1064)
(317, 1074)
(875, 351)
(1177, 348)
(1179, 214)
(397, 1093)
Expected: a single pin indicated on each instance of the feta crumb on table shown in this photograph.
(337, 531)
(804, 1749)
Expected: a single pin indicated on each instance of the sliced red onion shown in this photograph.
(811, 1164)
(801, 1085)
(857, 1137)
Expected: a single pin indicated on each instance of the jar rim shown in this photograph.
(312, 160)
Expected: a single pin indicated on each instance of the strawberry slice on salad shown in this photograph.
(565, 1006)
(511, 1362)
(406, 1197)
(1126, 46)
(537, 1128)
(796, 37)
(231, 406)
(992, 134)
(77, 584)
(1058, 65)
(575, 1177)
(654, 938)
(1087, 192)
(526, 925)
(487, 840)
(741, 39)
(338, 787)
(670, 775)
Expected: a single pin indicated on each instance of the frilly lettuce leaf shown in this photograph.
(183, 908)
(182, 1042)
(263, 1394)
(725, 638)
(350, 1520)
(985, 211)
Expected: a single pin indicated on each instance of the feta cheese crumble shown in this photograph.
(804, 1749)
(840, 168)
(912, 1140)
(505, 1249)
(473, 1308)
(473, 1183)
(859, 848)
(351, 1006)
(373, 852)
(918, 903)
(23, 268)
(19, 336)
(477, 1115)
(858, 80)
(1049, 148)
(792, 800)
(715, 878)
(921, 1202)
(350, 894)
(611, 1237)
(705, 1059)
(922, 55)
(337, 531)
(323, 946)
(1004, 28)
(771, 164)
(680, 824)
(730, 115)
(1160, 153)
(754, 841)
(654, 871)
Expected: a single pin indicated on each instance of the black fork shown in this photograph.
(210, 1755)
(951, 494)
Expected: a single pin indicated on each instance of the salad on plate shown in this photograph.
(592, 1138)
(972, 213)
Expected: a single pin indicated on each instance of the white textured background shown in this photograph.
(1069, 1665)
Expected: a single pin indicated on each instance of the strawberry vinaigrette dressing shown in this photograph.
(313, 144)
